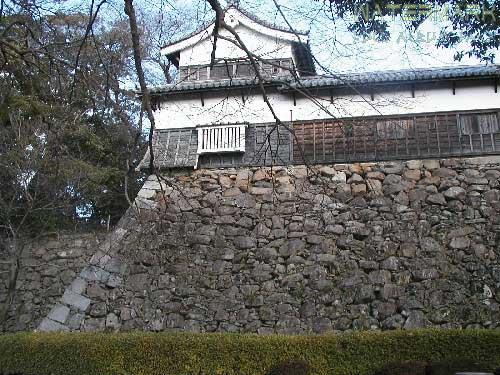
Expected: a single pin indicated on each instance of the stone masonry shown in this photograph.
(297, 250)
(48, 265)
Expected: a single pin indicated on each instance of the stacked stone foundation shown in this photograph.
(300, 250)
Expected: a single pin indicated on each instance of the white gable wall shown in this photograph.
(187, 110)
(264, 46)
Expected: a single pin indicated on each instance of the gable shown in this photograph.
(265, 46)
(261, 38)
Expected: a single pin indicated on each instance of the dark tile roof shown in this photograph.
(427, 74)
(338, 80)
(207, 85)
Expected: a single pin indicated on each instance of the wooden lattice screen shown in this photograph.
(433, 135)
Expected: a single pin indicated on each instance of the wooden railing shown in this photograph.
(219, 139)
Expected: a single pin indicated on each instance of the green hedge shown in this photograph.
(182, 353)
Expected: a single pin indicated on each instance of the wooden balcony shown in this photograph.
(220, 139)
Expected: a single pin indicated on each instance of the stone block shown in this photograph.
(335, 229)
(416, 319)
(322, 325)
(380, 277)
(260, 174)
(460, 243)
(437, 198)
(48, 325)
(408, 250)
(461, 232)
(59, 313)
(75, 300)
(391, 263)
(244, 242)
(339, 177)
(292, 247)
(414, 164)
(146, 193)
(326, 170)
(93, 273)
(75, 321)
(358, 189)
(425, 274)
(79, 286)
(455, 192)
(261, 190)
(376, 176)
(138, 282)
(368, 265)
(431, 164)
(412, 174)
(112, 321)
(94, 324)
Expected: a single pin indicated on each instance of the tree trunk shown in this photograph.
(16, 250)
(146, 100)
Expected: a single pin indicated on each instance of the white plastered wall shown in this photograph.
(229, 107)
(264, 46)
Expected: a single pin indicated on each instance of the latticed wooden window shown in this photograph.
(202, 73)
(286, 67)
(395, 128)
(245, 69)
(193, 74)
(183, 72)
(221, 71)
(267, 69)
(483, 123)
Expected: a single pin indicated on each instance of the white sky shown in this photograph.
(331, 43)
(339, 49)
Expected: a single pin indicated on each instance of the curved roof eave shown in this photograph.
(247, 19)
(285, 84)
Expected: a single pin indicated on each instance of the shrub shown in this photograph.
(291, 368)
(363, 353)
(443, 367)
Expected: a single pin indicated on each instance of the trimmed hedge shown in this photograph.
(183, 353)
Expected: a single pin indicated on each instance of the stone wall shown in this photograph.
(293, 250)
(47, 266)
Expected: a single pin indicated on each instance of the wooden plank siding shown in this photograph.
(408, 137)
(346, 140)
(265, 144)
